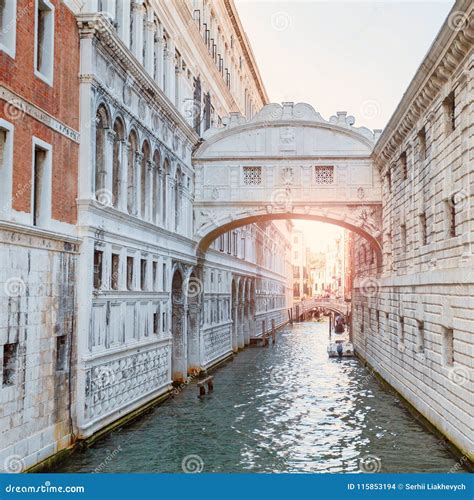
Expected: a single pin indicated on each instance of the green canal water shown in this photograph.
(285, 408)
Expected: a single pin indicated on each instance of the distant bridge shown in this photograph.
(335, 305)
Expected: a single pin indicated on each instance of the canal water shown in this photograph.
(284, 408)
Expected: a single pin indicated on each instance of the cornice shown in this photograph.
(452, 45)
(247, 49)
(200, 46)
(96, 25)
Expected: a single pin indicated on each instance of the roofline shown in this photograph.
(247, 49)
(428, 65)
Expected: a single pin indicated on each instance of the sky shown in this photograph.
(349, 56)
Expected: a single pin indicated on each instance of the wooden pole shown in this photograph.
(273, 332)
(264, 336)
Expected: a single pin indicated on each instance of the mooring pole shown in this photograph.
(273, 332)
(330, 324)
(264, 337)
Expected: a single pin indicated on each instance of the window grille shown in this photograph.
(324, 175)
(252, 176)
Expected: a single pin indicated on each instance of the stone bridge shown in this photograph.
(335, 305)
(287, 162)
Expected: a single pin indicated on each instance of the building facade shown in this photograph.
(412, 318)
(39, 147)
(153, 78)
(107, 301)
(144, 215)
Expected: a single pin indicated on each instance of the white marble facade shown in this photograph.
(150, 312)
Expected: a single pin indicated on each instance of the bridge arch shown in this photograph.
(287, 163)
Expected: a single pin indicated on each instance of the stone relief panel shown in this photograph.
(117, 383)
(217, 342)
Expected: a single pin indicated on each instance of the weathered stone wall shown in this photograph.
(37, 279)
(413, 319)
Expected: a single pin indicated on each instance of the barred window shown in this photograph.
(324, 175)
(252, 175)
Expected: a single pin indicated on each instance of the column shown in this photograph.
(164, 199)
(159, 52)
(159, 216)
(149, 43)
(170, 71)
(109, 159)
(123, 20)
(87, 115)
(177, 88)
(108, 6)
(149, 192)
(137, 29)
(241, 341)
(137, 187)
(235, 328)
(123, 154)
(170, 209)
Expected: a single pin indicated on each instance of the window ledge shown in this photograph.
(10, 51)
(44, 78)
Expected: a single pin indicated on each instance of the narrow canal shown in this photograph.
(285, 408)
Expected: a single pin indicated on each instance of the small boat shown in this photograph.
(340, 349)
(340, 346)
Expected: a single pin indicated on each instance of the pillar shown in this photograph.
(235, 320)
(138, 11)
(123, 20)
(240, 340)
(137, 188)
(123, 155)
(109, 159)
(149, 43)
(170, 71)
(158, 54)
(149, 192)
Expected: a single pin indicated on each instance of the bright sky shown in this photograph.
(349, 56)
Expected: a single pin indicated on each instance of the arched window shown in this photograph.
(117, 160)
(101, 125)
(143, 179)
(155, 187)
(132, 150)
